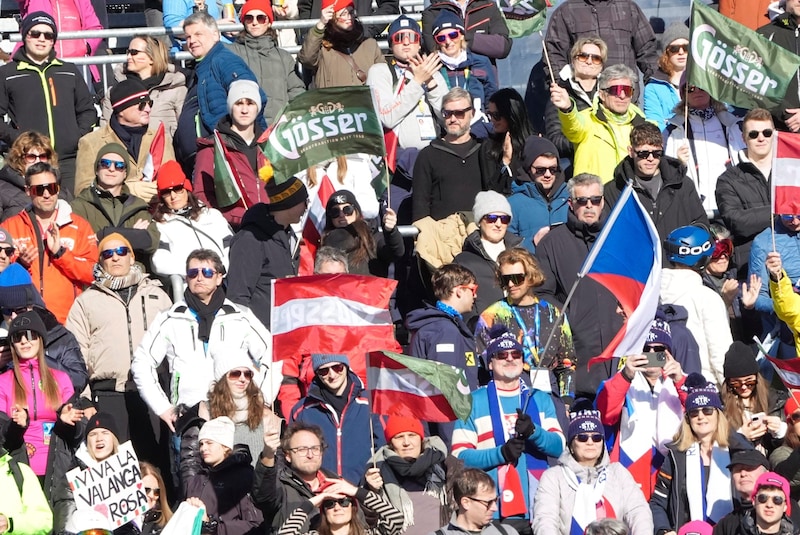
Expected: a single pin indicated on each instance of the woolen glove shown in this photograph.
(512, 449)
(524, 426)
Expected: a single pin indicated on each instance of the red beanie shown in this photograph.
(338, 5)
(170, 175)
(261, 5)
(792, 405)
(401, 424)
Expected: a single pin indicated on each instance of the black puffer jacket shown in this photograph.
(486, 29)
(784, 31)
(13, 198)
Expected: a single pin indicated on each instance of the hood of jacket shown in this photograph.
(264, 44)
(534, 189)
(674, 313)
(418, 318)
(232, 138)
(10, 175)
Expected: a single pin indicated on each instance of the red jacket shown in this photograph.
(59, 280)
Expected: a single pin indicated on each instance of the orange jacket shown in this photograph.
(59, 280)
(751, 13)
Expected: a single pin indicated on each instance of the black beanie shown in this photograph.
(37, 17)
(127, 93)
(739, 361)
(28, 321)
(286, 194)
(102, 420)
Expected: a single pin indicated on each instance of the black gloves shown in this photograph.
(524, 426)
(512, 449)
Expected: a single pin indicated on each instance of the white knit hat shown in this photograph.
(243, 89)
(489, 202)
(230, 361)
(219, 430)
(86, 519)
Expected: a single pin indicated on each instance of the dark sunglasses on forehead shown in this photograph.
(346, 209)
(753, 134)
(619, 91)
(32, 157)
(109, 164)
(35, 34)
(583, 56)
(30, 336)
(261, 19)
(459, 114)
(235, 374)
(38, 190)
(516, 278)
(122, 250)
(397, 38)
(674, 49)
(337, 368)
(595, 200)
(493, 218)
(443, 37)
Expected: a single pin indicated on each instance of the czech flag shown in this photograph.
(626, 259)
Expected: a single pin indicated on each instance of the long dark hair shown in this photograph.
(510, 106)
(159, 208)
(364, 248)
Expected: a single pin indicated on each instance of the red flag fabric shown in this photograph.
(314, 225)
(788, 370)
(786, 174)
(156, 155)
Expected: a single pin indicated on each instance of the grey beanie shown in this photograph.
(243, 89)
(676, 30)
(487, 202)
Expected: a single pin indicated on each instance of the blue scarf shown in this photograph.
(447, 309)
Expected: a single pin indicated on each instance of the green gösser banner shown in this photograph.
(322, 124)
(736, 65)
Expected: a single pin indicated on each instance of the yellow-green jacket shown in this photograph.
(27, 512)
(787, 305)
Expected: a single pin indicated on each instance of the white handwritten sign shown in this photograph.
(112, 487)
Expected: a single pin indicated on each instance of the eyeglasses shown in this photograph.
(585, 437)
(30, 336)
(14, 311)
(794, 418)
(346, 209)
(236, 374)
(486, 503)
(459, 114)
(738, 383)
(707, 411)
(337, 368)
(35, 34)
(584, 56)
(32, 157)
(471, 287)
(155, 492)
(443, 37)
(108, 164)
(134, 52)
(9, 251)
(492, 218)
(38, 190)
(261, 19)
(674, 49)
(192, 273)
(619, 91)
(494, 115)
(122, 250)
(655, 348)
(645, 154)
(753, 134)
(595, 200)
(789, 217)
(506, 354)
(174, 189)
(516, 278)
(305, 450)
(398, 37)
(542, 170)
(342, 502)
(764, 498)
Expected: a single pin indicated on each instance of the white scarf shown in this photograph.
(587, 495)
(650, 417)
(452, 63)
(718, 491)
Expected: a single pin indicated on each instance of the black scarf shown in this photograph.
(131, 136)
(205, 312)
(337, 402)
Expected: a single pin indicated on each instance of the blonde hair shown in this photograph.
(341, 172)
(148, 469)
(685, 437)
(157, 52)
(114, 442)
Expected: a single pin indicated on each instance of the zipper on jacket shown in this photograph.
(48, 103)
(33, 392)
(130, 335)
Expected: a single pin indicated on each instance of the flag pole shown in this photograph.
(547, 59)
(371, 429)
(772, 194)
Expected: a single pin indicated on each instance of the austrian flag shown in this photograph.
(786, 175)
(425, 389)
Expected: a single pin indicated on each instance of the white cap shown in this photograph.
(86, 519)
(243, 89)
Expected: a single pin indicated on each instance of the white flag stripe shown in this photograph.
(403, 380)
(790, 379)
(328, 310)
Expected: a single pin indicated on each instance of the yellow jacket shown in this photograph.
(787, 305)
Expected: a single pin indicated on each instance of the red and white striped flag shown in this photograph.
(786, 174)
(156, 155)
(788, 370)
(314, 225)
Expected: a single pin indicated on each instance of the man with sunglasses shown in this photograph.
(40, 92)
(660, 182)
(475, 497)
(129, 127)
(769, 509)
(56, 246)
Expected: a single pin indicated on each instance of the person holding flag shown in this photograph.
(510, 432)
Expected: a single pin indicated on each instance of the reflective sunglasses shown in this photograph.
(235, 374)
(707, 411)
(443, 37)
(174, 189)
(346, 209)
(492, 218)
(459, 114)
(192, 273)
(620, 91)
(723, 247)
(794, 418)
(261, 19)
(35, 34)
(471, 287)
(343, 502)
(12, 311)
(337, 368)
(8, 250)
(789, 217)
(674, 49)
(32, 157)
(542, 170)
(155, 492)
(584, 56)
(516, 278)
(506, 354)
(397, 38)
(30, 336)
(109, 164)
(645, 154)
(595, 200)
(764, 498)
(585, 437)
(52, 188)
(753, 134)
(122, 250)
(737, 383)
(494, 115)
(134, 52)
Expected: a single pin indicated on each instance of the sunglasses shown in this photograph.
(645, 154)
(674, 49)
(398, 37)
(753, 134)
(542, 170)
(30, 336)
(261, 19)
(346, 209)
(458, 114)
(585, 437)
(443, 37)
(707, 411)
(8, 250)
(494, 115)
(174, 189)
(337, 368)
(236, 374)
(134, 52)
(343, 502)
(736, 383)
(492, 218)
(111, 164)
(471, 287)
(789, 217)
(52, 188)
(155, 492)
(12, 311)
(122, 250)
(584, 56)
(516, 278)
(192, 273)
(655, 348)
(595, 200)
(145, 102)
(513, 354)
(619, 91)
(32, 157)
(35, 34)
(764, 498)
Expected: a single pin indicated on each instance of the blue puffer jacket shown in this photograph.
(531, 210)
(215, 74)
(660, 99)
(347, 437)
(476, 75)
(788, 245)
